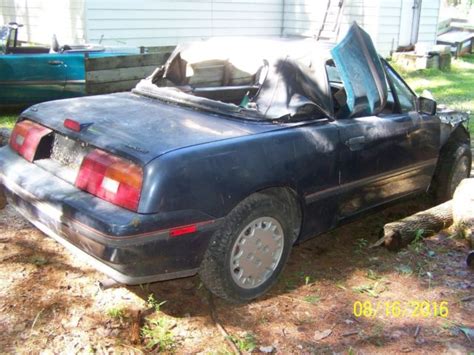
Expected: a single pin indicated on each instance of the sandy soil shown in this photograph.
(50, 302)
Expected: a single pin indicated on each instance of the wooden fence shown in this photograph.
(121, 73)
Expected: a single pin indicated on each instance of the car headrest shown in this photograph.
(54, 45)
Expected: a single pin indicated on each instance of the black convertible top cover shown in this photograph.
(293, 70)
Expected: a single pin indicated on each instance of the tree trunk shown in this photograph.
(3, 199)
(400, 233)
(463, 209)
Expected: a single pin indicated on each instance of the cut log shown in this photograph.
(463, 210)
(3, 199)
(399, 234)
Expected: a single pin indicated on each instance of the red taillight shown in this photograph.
(111, 178)
(26, 137)
(72, 125)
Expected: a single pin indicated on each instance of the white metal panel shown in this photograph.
(429, 22)
(305, 17)
(43, 18)
(165, 22)
(389, 22)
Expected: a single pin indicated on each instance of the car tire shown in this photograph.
(454, 165)
(248, 253)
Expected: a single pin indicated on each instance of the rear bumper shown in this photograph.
(130, 248)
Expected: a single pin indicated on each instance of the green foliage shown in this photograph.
(405, 270)
(152, 302)
(116, 313)
(158, 335)
(246, 343)
(452, 87)
(372, 275)
(313, 299)
(417, 244)
(7, 121)
(38, 260)
(369, 289)
(467, 3)
(290, 284)
(360, 245)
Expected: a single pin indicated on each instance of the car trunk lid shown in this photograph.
(136, 127)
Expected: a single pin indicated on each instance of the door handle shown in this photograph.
(356, 143)
(55, 62)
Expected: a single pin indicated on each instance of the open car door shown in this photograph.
(362, 73)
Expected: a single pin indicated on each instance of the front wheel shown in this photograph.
(248, 253)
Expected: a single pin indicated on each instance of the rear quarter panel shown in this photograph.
(213, 178)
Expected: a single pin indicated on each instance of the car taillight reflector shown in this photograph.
(111, 178)
(176, 232)
(26, 137)
(72, 125)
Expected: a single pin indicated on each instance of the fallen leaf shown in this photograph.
(322, 335)
(267, 349)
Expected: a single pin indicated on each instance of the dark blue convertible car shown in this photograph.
(227, 156)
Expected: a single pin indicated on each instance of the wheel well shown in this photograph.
(289, 198)
(459, 135)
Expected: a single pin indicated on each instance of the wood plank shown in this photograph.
(126, 61)
(159, 49)
(107, 88)
(119, 74)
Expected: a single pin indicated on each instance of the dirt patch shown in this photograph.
(49, 300)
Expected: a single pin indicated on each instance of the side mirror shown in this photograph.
(426, 106)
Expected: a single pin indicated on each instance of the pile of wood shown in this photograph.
(106, 75)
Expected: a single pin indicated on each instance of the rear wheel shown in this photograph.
(248, 253)
(454, 165)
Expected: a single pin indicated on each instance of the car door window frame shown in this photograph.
(390, 72)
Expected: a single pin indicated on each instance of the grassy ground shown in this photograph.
(452, 88)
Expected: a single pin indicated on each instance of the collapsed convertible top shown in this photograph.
(272, 78)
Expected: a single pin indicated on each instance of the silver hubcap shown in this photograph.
(257, 252)
(461, 171)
